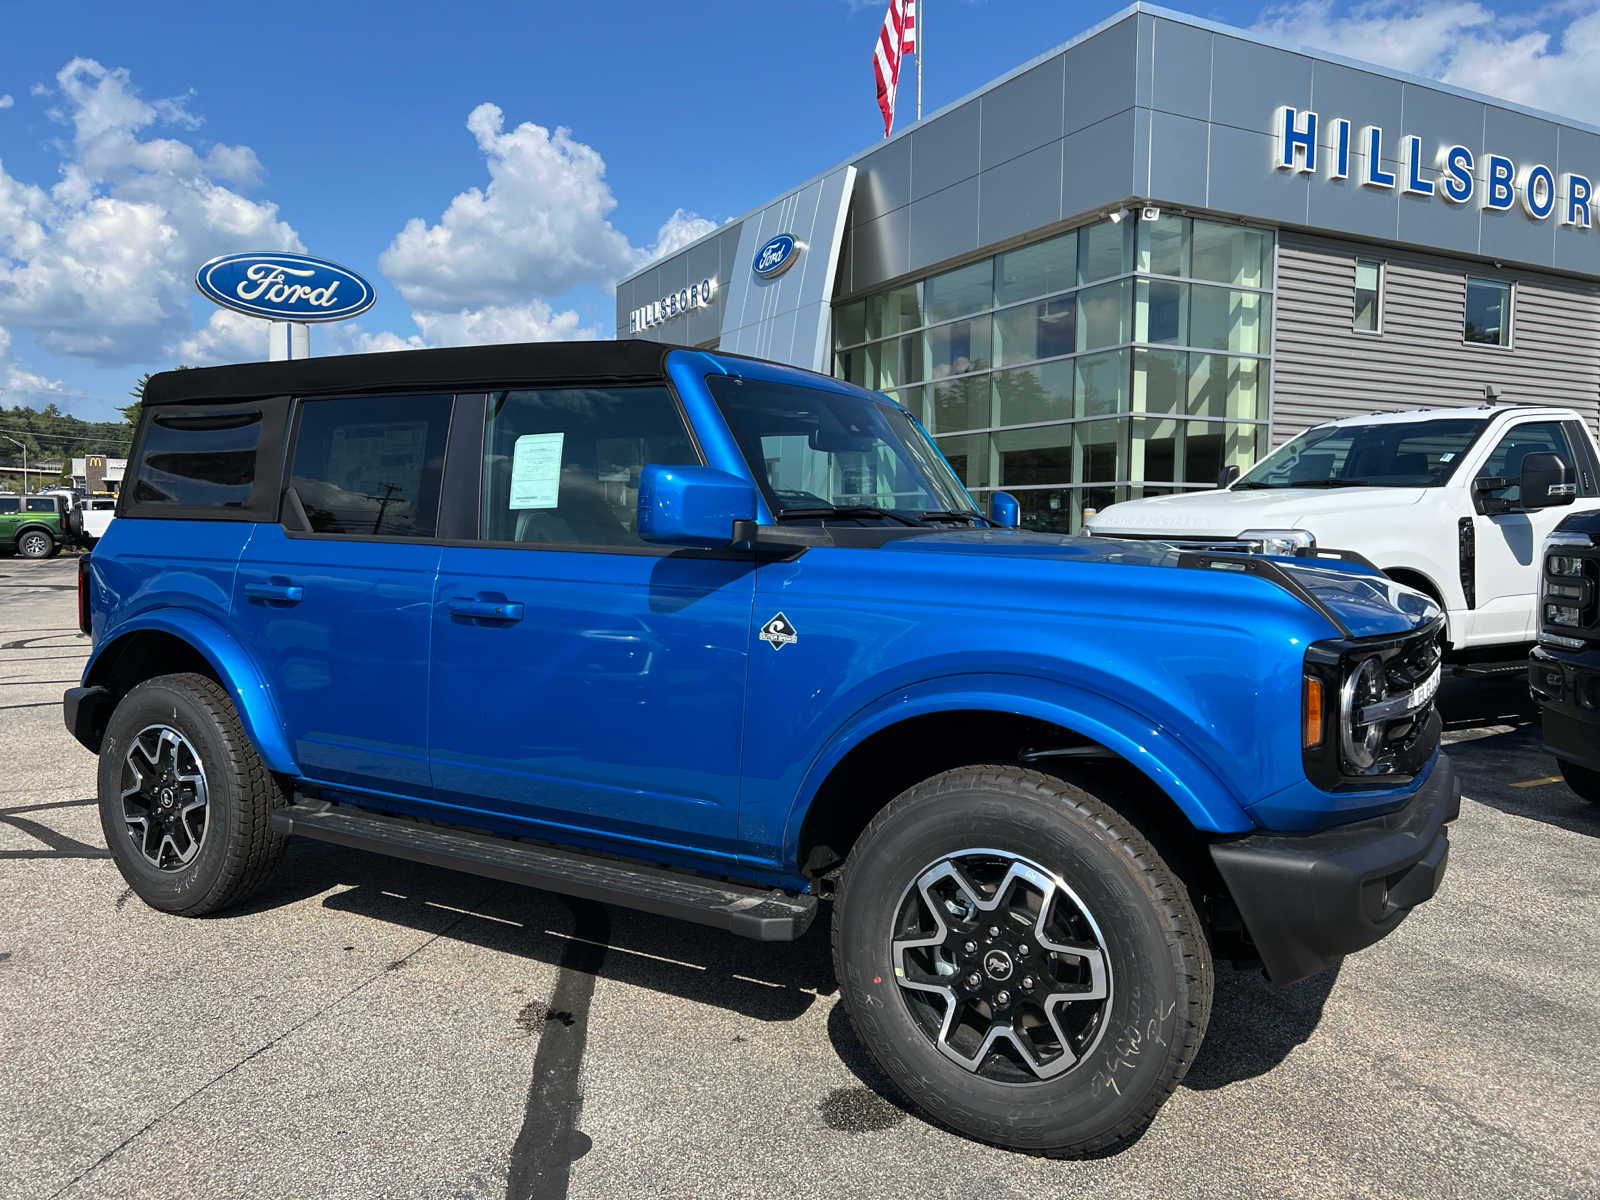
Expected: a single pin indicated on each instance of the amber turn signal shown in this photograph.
(1311, 730)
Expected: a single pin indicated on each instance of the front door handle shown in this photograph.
(287, 593)
(487, 610)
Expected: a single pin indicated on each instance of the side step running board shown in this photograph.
(765, 914)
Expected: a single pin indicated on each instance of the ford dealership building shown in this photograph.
(1164, 248)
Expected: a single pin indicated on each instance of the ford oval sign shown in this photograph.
(285, 287)
(777, 256)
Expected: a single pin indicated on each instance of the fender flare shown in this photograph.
(1200, 794)
(245, 684)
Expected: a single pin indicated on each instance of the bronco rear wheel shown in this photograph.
(185, 800)
(1020, 962)
(36, 543)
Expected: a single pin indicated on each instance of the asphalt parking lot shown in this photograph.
(369, 1028)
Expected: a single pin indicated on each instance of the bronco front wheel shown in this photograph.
(1020, 961)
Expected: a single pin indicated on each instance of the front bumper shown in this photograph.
(1310, 899)
(1567, 685)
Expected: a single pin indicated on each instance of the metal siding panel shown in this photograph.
(1023, 113)
(1140, 183)
(944, 151)
(1524, 139)
(1179, 150)
(1350, 208)
(883, 182)
(1361, 97)
(943, 225)
(1100, 76)
(1021, 195)
(1249, 81)
(1322, 369)
(880, 249)
(1097, 165)
(1181, 77)
(1439, 119)
(1144, 60)
(1240, 178)
(1430, 221)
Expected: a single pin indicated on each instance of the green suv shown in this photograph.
(34, 526)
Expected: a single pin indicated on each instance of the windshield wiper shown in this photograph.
(847, 510)
(1252, 485)
(949, 514)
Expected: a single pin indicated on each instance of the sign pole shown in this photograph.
(287, 340)
(921, 32)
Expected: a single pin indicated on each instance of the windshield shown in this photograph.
(1382, 454)
(812, 451)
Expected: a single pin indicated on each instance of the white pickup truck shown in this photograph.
(1454, 502)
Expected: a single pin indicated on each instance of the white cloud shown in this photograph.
(7, 100)
(345, 337)
(101, 266)
(226, 337)
(18, 385)
(1542, 59)
(500, 258)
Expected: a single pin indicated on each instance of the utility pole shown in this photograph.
(24, 450)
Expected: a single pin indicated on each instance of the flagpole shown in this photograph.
(920, 32)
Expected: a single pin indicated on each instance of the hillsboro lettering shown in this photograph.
(675, 304)
(1305, 144)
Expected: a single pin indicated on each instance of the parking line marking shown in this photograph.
(1539, 782)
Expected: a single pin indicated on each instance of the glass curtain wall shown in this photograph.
(1114, 361)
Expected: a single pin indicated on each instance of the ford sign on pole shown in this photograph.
(776, 256)
(290, 290)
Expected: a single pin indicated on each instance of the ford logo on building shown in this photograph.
(777, 256)
(285, 287)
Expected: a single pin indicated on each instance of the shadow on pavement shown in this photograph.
(1255, 1025)
(1513, 772)
(767, 981)
(1466, 703)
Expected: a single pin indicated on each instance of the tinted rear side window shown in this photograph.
(371, 464)
(10, 504)
(41, 504)
(201, 461)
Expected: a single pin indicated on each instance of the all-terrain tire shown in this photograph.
(238, 848)
(1159, 961)
(37, 543)
(1583, 780)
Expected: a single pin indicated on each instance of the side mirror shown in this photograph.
(693, 506)
(1004, 510)
(1543, 482)
(1227, 475)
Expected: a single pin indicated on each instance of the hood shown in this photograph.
(1365, 602)
(1226, 514)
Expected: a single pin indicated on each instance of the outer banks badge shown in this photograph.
(778, 633)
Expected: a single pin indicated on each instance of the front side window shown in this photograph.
(561, 466)
(1505, 462)
(201, 460)
(1369, 296)
(371, 465)
(1488, 312)
(1381, 454)
(814, 451)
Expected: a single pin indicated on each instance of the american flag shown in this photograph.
(897, 38)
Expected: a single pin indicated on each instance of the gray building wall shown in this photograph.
(1324, 369)
(712, 257)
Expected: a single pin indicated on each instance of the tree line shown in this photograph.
(52, 436)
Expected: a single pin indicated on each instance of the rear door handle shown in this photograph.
(285, 592)
(487, 610)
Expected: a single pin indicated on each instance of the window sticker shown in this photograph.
(536, 470)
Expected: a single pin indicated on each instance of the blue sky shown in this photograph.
(422, 145)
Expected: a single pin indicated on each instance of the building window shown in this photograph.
(1109, 362)
(1369, 296)
(1488, 312)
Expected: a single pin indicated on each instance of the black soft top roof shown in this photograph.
(463, 368)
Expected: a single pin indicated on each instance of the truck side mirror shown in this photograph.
(693, 506)
(1543, 482)
(1227, 475)
(1004, 510)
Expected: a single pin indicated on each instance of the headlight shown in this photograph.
(1279, 541)
(1365, 686)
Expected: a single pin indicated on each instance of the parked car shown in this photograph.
(1564, 668)
(33, 526)
(721, 639)
(1436, 498)
(95, 514)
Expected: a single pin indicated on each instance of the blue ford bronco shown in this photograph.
(721, 639)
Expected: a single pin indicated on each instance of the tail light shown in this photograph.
(84, 621)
